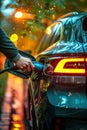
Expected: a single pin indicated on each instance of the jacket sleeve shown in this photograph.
(7, 47)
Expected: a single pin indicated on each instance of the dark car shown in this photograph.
(59, 93)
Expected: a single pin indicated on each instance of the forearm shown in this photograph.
(7, 47)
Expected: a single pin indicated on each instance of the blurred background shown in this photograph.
(25, 21)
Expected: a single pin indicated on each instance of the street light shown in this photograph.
(23, 15)
(18, 14)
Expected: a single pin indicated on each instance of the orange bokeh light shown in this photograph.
(18, 14)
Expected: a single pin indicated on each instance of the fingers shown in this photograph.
(25, 64)
(28, 66)
(32, 66)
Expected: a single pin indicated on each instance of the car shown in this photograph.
(58, 95)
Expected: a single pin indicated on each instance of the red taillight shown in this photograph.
(69, 66)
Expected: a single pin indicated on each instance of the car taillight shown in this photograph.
(67, 70)
(68, 66)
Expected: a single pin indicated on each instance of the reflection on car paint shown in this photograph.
(67, 99)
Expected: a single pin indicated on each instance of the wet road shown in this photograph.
(12, 112)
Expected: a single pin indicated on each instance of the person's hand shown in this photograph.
(25, 64)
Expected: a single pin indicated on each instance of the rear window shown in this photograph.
(84, 29)
(51, 36)
(84, 24)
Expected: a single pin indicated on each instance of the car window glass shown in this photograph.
(84, 29)
(81, 30)
(51, 35)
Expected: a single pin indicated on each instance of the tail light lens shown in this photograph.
(67, 70)
(68, 66)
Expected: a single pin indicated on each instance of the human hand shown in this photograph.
(25, 64)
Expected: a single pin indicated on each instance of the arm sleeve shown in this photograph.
(7, 47)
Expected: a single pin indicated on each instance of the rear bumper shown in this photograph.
(67, 102)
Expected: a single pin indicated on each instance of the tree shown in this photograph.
(47, 11)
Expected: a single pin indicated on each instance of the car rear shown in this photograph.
(67, 89)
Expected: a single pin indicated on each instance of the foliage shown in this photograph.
(51, 10)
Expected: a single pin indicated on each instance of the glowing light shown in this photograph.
(14, 37)
(23, 15)
(60, 66)
(17, 125)
(48, 31)
(18, 14)
(15, 129)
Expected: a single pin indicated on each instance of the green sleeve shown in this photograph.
(7, 47)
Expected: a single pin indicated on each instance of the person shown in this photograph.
(10, 51)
